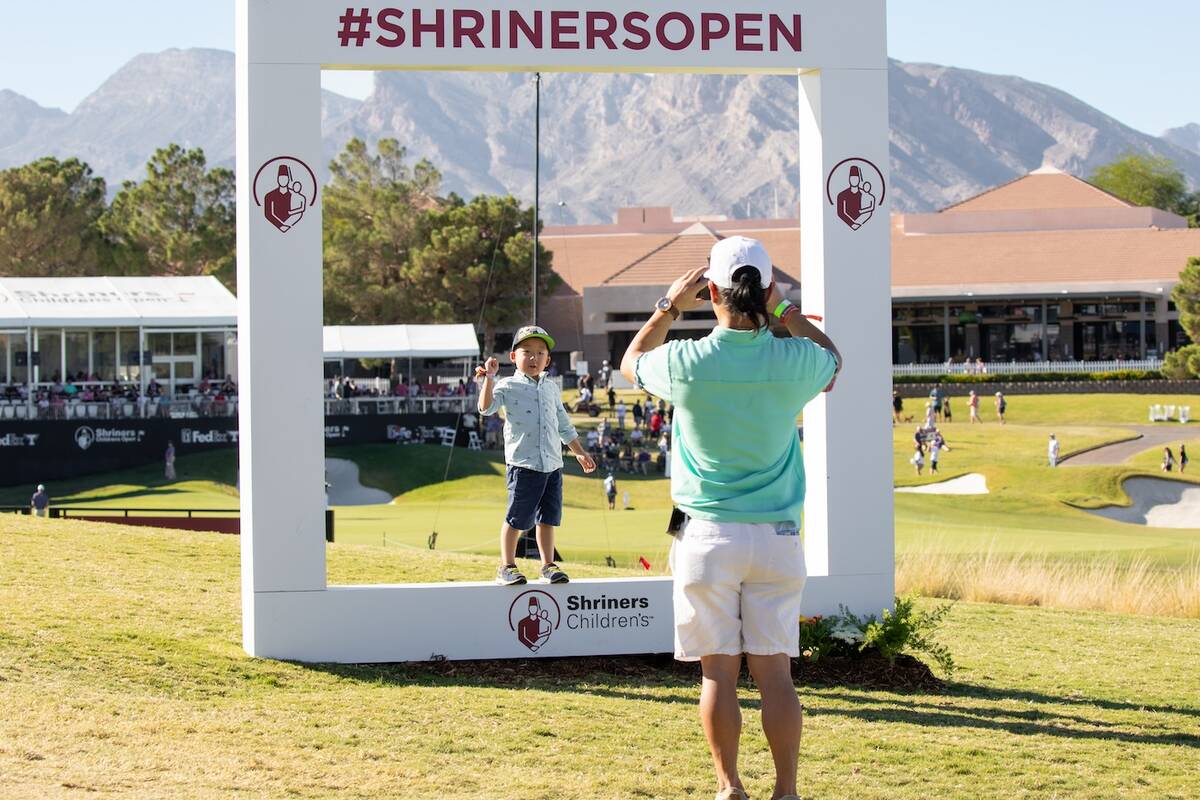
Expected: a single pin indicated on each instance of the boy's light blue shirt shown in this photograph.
(536, 425)
(735, 454)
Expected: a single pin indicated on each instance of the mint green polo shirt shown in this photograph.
(735, 453)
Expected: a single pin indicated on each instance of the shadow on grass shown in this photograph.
(633, 677)
(139, 493)
(1021, 722)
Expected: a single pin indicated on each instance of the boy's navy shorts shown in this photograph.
(533, 497)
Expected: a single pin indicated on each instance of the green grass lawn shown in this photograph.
(122, 676)
(1031, 508)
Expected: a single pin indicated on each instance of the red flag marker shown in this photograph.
(642, 560)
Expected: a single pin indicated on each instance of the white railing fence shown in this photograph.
(1015, 368)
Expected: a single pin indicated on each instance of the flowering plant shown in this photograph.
(902, 629)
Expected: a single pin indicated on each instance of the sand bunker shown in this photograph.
(966, 484)
(345, 488)
(1157, 503)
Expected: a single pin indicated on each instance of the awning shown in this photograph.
(400, 341)
(165, 302)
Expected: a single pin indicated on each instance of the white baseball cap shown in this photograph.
(731, 254)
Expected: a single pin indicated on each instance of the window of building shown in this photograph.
(918, 344)
(49, 348)
(77, 355)
(104, 354)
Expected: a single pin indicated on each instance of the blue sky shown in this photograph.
(1138, 62)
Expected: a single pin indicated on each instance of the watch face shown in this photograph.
(663, 304)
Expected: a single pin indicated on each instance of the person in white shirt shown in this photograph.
(1052, 451)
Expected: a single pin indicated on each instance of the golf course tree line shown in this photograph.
(396, 248)
(1156, 182)
(55, 221)
(1185, 362)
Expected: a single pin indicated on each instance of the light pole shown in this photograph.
(537, 167)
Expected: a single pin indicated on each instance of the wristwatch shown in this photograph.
(664, 304)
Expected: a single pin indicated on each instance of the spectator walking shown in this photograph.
(1001, 406)
(918, 457)
(40, 502)
(935, 449)
(1168, 462)
(897, 406)
(610, 490)
(930, 417)
(947, 416)
(637, 415)
(612, 398)
(935, 397)
(1183, 459)
(1052, 451)
(169, 459)
(973, 407)
(621, 414)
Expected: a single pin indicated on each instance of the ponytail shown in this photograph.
(747, 297)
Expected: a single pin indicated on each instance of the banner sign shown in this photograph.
(705, 36)
(50, 450)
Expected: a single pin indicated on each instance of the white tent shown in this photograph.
(115, 302)
(400, 341)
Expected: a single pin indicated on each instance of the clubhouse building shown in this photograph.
(1045, 268)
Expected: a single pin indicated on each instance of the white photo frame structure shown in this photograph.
(838, 53)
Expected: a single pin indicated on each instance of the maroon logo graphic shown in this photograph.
(860, 191)
(285, 188)
(533, 616)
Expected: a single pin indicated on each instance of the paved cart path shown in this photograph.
(1149, 436)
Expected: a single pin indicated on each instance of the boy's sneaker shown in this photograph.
(552, 574)
(509, 575)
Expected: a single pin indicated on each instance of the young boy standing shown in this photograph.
(535, 429)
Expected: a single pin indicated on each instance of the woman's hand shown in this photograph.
(774, 298)
(683, 291)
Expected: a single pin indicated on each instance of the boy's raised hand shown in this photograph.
(489, 368)
(586, 461)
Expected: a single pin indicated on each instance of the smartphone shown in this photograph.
(675, 526)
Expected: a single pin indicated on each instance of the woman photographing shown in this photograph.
(737, 472)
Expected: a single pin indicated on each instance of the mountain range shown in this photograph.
(703, 144)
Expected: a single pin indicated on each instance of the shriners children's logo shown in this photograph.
(285, 188)
(533, 616)
(856, 189)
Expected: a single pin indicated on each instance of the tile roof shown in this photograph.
(589, 260)
(1042, 257)
(1045, 188)
(689, 249)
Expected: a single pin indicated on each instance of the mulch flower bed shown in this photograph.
(868, 670)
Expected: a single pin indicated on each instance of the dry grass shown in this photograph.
(1125, 586)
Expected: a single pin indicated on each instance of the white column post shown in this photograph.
(847, 279)
(279, 279)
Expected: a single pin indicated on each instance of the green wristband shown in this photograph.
(782, 308)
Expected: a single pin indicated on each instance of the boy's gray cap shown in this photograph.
(532, 332)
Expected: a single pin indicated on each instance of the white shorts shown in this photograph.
(737, 589)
